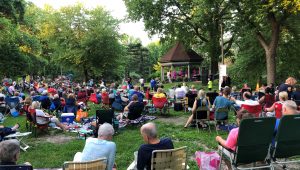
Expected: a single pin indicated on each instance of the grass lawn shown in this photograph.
(46, 154)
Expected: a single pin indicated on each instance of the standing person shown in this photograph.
(102, 146)
(209, 84)
(169, 76)
(153, 84)
(228, 81)
(142, 82)
(224, 82)
(129, 83)
(152, 142)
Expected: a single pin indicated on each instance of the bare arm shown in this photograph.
(220, 140)
(194, 107)
(271, 109)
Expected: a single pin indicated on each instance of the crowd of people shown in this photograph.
(62, 95)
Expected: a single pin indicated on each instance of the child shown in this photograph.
(209, 84)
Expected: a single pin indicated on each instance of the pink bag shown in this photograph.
(207, 160)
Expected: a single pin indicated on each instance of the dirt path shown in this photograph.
(178, 121)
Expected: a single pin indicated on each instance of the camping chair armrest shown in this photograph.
(229, 150)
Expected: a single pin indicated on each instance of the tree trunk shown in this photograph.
(271, 48)
(271, 66)
(86, 74)
(214, 48)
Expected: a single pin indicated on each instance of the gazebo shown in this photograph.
(179, 56)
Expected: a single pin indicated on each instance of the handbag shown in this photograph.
(208, 160)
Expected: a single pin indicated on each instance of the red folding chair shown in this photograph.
(160, 103)
(105, 100)
(93, 98)
(254, 109)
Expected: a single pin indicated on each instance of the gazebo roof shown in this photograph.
(178, 54)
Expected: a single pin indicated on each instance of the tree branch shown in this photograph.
(261, 40)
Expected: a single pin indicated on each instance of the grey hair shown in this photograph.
(106, 129)
(35, 105)
(149, 129)
(290, 105)
(9, 150)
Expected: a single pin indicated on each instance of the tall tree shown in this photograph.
(87, 40)
(266, 20)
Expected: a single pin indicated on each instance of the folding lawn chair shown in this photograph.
(98, 164)
(212, 96)
(161, 104)
(104, 116)
(253, 144)
(221, 115)
(256, 110)
(202, 114)
(13, 103)
(175, 159)
(287, 140)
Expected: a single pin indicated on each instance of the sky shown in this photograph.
(117, 9)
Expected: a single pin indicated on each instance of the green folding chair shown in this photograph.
(223, 111)
(287, 140)
(253, 145)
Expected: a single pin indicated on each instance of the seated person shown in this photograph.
(193, 89)
(104, 96)
(296, 96)
(179, 92)
(44, 118)
(185, 88)
(152, 142)
(134, 108)
(71, 105)
(17, 95)
(231, 141)
(10, 152)
(223, 102)
(276, 108)
(289, 107)
(191, 95)
(3, 105)
(102, 146)
(267, 99)
(136, 90)
(71, 101)
(159, 93)
(5, 131)
(56, 103)
(199, 102)
(247, 100)
(45, 100)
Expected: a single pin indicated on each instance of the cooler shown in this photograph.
(67, 117)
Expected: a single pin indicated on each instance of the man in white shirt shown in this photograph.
(179, 92)
(247, 100)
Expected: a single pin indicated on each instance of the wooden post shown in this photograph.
(189, 72)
